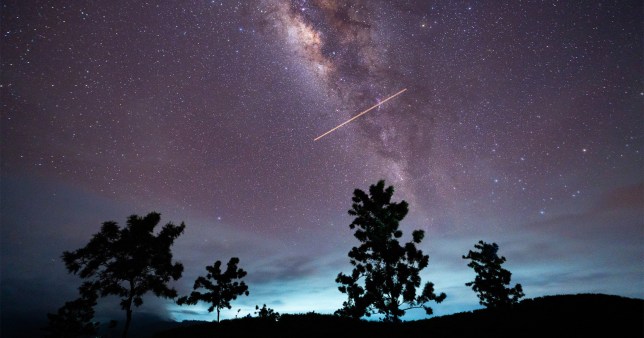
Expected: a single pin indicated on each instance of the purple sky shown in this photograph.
(521, 124)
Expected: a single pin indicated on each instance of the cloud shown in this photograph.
(624, 197)
(616, 213)
(283, 269)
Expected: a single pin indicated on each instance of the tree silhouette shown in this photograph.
(128, 262)
(266, 313)
(390, 271)
(74, 319)
(491, 279)
(227, 287)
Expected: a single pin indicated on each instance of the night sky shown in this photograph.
(521, 124)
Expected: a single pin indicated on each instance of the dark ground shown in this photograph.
(586, 315)
(553, 316)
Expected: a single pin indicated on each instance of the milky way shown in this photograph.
(521, 124)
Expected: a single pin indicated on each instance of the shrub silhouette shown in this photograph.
(128, 262)
(266, 313)
(390, 271)
(74, 319)
(226, 287)
(491, 279)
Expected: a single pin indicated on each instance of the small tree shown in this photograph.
(128, 262)
(266, 313)
(492, 281)
(227, 287)
(74, 319)
(386, 274)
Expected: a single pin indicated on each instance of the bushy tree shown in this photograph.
(226, 287)
(491, 283)
(385, 276)
(128, 262)
(266, 313)
(74, 319)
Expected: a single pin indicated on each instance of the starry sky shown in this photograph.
(521, 124)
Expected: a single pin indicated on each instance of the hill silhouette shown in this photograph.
(551, 316)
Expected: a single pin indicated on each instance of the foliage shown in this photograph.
(390, 270)
(491, 279)
(218, 294)
(128, 262)
(74, 319)
(266, 313)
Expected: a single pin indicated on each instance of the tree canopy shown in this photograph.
(266, 313)
(226, 287)
(491, 283)
(128, 262)
(385, 276)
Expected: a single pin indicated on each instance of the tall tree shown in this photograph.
(128, 262)
(226, 287)
(491, 283)
(385, 274)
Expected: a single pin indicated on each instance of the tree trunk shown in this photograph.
(217, 315)
(128, 317)
(128, 311)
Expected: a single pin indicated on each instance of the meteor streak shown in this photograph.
(362, 113)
